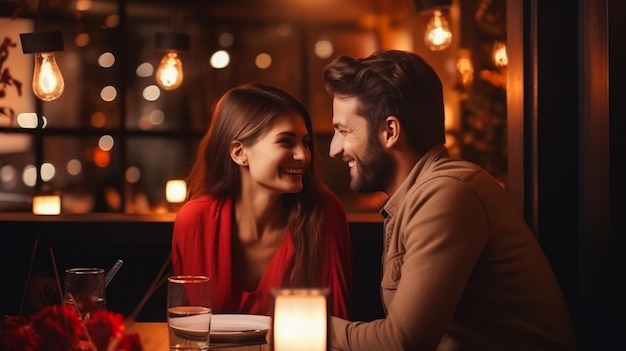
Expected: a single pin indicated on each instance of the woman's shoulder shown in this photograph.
(200, 205)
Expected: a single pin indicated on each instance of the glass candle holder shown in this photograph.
(300, 320)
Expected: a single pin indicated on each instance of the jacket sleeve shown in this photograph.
(443, 233)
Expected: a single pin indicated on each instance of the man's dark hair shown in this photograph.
(392, 83)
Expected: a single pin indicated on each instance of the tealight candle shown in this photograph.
(300, 320)
(47, 204)
(175, 191)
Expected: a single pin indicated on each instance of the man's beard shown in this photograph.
(374, 170)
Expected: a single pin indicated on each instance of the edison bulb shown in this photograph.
(169, 75)
(438, 35)
(500, 57)
(48, 82)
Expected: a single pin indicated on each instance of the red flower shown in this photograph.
(17, 334)
(130, 342)
(58, 328)
(103, 326)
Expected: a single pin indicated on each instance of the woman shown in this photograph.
(258, 215)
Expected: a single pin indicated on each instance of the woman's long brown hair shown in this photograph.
(245, 113)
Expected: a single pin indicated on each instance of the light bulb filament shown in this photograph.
(169, 75)
(47, 80)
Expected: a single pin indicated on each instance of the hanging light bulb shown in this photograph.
(48, 83)
(499, 55)
(465, 66)
(437, 35)
(169, 74)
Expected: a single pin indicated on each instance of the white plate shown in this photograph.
(237, 327)
(191, 327)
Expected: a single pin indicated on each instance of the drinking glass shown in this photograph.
(189, 312)
(84, 290)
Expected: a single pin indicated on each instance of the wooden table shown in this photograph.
(154, 337)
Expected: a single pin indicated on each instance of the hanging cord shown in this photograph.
(22, 5)
(38, 25)
(174, 17)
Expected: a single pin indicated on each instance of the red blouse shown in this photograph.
(201, 245)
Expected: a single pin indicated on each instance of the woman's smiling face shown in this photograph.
(278, 159)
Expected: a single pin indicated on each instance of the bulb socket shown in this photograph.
(35, 42)
(172, 41)
(427, 5)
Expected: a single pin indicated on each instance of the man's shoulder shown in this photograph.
(447, 177)
(437, 163)
(454, 168)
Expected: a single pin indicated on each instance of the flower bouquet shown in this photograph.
(59, 328)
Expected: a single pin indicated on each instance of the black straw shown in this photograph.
(112, 271)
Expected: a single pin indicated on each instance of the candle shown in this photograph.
(300, 320)
(47, 204)
(175, 191)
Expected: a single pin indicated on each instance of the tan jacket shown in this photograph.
(461, 270)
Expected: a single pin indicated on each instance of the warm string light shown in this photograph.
(465, 67)
(437, 35)
(500, 57)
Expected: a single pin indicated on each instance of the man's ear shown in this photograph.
(238, 153)
(390, 132)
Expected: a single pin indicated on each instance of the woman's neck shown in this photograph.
(259, 227)
(259, 216)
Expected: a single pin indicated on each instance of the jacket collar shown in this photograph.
(420, 169)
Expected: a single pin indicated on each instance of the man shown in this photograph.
(461, 269)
